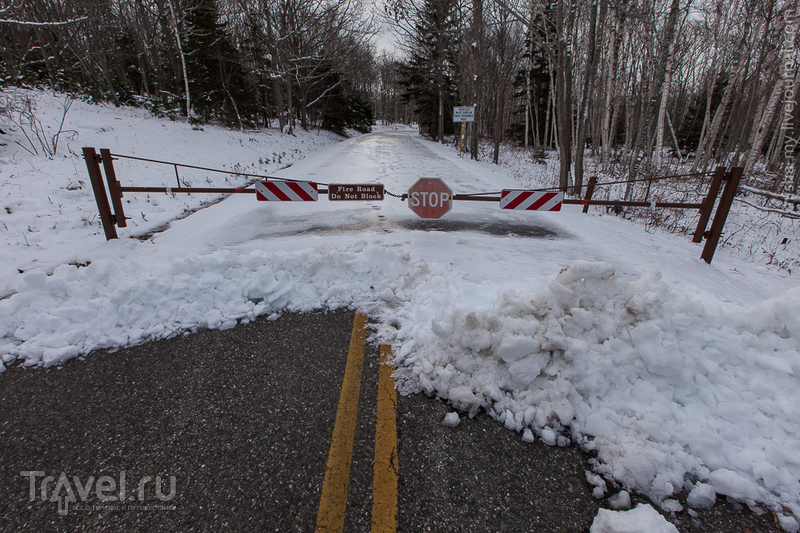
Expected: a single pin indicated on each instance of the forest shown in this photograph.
(636, 85)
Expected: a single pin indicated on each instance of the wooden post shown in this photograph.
(113, 187)
(708, 204)
(725, 202)
(589, 193)
(100, 196)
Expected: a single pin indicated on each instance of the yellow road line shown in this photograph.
(333, 502)
(384, 483)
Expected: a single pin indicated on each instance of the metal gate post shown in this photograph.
(721, 215)
(100, 196)
(708, 204)
(113, 187)
(589, 193)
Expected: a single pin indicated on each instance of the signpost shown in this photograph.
(430, 198)
(354, 191)
(463, 114)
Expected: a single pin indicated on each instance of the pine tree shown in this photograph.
(217, 80)
(532, 91)
(428, 75)
(342, 108)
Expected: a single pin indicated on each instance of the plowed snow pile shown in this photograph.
(621, 366)
(625, 368)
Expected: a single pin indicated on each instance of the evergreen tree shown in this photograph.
(536, 79)
(428, 75)
(217, 81)
(343, 107)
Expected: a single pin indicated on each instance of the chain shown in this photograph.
(401, 196)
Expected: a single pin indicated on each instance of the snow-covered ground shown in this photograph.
(680, 376)
(49, 215)
(751, 234)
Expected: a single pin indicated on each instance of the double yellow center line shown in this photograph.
(333, 501)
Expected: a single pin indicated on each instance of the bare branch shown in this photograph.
(41, 24)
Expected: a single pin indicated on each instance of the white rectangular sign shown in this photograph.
(464, 113)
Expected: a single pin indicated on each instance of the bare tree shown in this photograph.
(588, 86)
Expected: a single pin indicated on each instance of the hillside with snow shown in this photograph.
(49, 214)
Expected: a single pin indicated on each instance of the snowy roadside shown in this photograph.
(47, 209)
(752, 236)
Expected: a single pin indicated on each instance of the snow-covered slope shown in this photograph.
(48, 214)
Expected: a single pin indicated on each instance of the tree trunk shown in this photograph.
(498, 116)
(302, 106)
(174, 20)
(528, 99)
(477, 67)
(440, 122)
(277, 81)
(645, 122)
(674, 139)
(548, 125)
(289, 108)
(612, 48)
(440, 72)
(588, 85)
(765, 118)
(564, 92)
(277, 92)
(662, 110)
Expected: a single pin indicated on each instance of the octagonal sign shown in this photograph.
(430, 198)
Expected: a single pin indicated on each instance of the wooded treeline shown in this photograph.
(638, 84)
(243, 62)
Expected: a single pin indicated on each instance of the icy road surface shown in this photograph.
(484, 243)
(679, 375)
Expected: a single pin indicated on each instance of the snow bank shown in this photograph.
(666, 389)
(642, 518)
(670, 392)
(112, 304)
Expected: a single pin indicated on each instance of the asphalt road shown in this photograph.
(242, 419)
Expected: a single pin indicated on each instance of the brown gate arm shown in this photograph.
(199, 190)
(210, 190)
(676, 205)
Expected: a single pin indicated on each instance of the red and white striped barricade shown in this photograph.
(286, 191)
(531, 200)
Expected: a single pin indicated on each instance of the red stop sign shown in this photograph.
(430, 198)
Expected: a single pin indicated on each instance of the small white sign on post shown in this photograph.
(464, 113)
